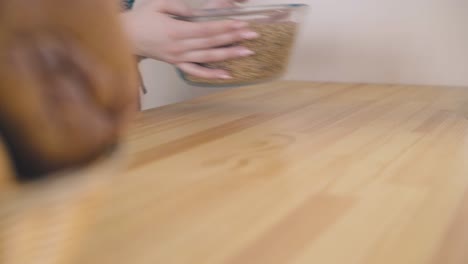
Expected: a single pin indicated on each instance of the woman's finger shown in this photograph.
(218, 40)
(188, 30)
(222, 3)
(173, 7)
(214, 55)
(203, 72)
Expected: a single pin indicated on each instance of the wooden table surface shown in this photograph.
(290, 172)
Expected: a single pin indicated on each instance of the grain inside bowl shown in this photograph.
(272, 50)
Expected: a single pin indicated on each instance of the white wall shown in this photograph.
(390, 41)
(380, 41)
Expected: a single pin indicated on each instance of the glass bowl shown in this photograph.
(277, 26)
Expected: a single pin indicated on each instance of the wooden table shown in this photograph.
(292, 172)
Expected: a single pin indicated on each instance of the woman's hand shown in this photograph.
(156, 34)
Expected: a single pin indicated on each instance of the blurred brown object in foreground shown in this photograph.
(68, 83)
(5, 166)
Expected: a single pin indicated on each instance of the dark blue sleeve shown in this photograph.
(127, 4)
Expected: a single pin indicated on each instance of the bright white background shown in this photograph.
(376, 41)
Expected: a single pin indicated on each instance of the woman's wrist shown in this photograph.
(128, 23)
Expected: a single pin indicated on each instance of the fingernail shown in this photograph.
(239, 24)
(249, 35)
(225, 76)
(246, 52)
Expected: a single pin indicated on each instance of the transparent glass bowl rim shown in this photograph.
(241, 11)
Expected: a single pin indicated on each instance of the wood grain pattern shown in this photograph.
(291, 172)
